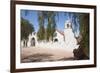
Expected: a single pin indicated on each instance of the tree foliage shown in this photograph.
(83, 51)
(47, 19)
(26, 28)
(41, 31)
(51, 26)
(84, 29)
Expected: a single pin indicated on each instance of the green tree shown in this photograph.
(84, 31)
(83, 51)
(41, 31)
(47, 19)
(51, 26)
(26, 28)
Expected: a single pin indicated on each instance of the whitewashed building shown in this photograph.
(61, 40)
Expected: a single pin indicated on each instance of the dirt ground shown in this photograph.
(36, 54)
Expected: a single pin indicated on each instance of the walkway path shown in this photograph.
(36, 53)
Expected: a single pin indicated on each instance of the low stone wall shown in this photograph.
(57, 45)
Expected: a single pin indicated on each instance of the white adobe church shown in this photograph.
(61, 40)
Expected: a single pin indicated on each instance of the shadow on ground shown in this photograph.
(43, 58)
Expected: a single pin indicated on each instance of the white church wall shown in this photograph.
(29, 40)
(70, 39)
(59, 36)
(65, 41)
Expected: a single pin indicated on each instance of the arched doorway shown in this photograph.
(56, 40)
(33, 41)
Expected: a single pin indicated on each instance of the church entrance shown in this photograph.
(56, 40)
(33, 41)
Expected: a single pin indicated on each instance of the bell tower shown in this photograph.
(70, 39)
(67, 30)
(68, 24)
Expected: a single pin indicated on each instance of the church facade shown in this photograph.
(61, 40)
